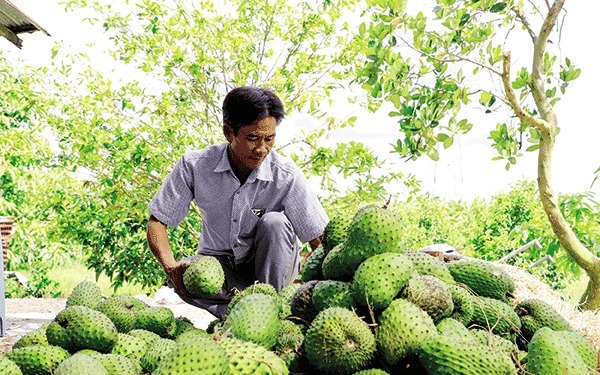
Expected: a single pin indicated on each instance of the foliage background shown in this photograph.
(83, 153)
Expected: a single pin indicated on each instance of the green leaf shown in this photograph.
(498, 7)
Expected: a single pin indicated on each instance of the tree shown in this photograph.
(418, 65)
(176, 61)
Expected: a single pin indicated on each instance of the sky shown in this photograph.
(466, 170)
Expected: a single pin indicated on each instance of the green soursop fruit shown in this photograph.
(195, 356)
(117, 364)
(463, 303)
(158, 319)
(248, 358)
(38, 359)
(548, 353)
(192, 333)
(255, 318)
(289, 337)
(586, 350)
(86, 293)
(80, 327)
(35, 337)
(145, 335)
(155, 353)
(263, 288)
(371, 371)
(426, 264)
(312, 268)
(129, 346)
(442, 356)
(183, 325)
(455, 330)
(8, 367)
(535, 314)
(494, 315)
(332, 293)
(403, 327)
(302, 308)
(430, 294)
(483, 278)
(380, 278)
(493, 341)
(338, 341)
(122, 310)
(373, 230)
(336, 231)
(79, 364)
(285, 299)
(333, 268)
(204, 278)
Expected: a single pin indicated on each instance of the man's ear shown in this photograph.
(228, 132)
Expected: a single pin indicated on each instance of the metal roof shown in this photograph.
(13, 22)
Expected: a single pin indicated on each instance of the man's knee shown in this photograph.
(272, 221)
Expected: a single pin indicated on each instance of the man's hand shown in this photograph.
(175, 275)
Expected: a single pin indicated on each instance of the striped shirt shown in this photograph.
(230, 211)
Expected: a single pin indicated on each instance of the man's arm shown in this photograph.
(314, 243)
(158, 241)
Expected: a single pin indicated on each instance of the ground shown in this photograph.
(26, 314)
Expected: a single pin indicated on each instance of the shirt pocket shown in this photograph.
(248, 224)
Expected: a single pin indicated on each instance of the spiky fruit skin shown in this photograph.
(155, 353)
(332, 293)
(204, 277)
(129, 346)
(380, 278)
(248, 358)
(548, 353)
(430, 294)
(145, 335)
(462, 300)
(336, 231)
(263, 288)
(200, 355)
(192, 333)
(117, 364)
(157, 319)
(285, 299)
(403, 327)
(584, 348)
(372, 371)
(8, 367)
(441, 355)
(338, 341)
(35, 337)
(483, 278)
(255, 318)
(312, 268)
(452, 328)
(183, 325)
(79, 364)
(495, 315)
(122, 310)
(373, 230)
(302, 308)
(38, 359)
(289, 337)
(495, 342)
(86, 293)
(80, 327)
(333, 267)
(426, 264)
(535, 314)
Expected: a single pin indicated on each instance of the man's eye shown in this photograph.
(252, 138)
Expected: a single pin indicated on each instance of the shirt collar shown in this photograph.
(262, 173)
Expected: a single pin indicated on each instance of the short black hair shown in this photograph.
(247, 104)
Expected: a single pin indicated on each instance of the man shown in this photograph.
(255, 204)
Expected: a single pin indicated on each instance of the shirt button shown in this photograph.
(235, 220)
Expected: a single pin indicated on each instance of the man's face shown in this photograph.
(249, 148)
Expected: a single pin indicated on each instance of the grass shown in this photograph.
(71, 274)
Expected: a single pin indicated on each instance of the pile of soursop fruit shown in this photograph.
(365, 305)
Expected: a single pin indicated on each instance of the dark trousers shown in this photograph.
(275, 260)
